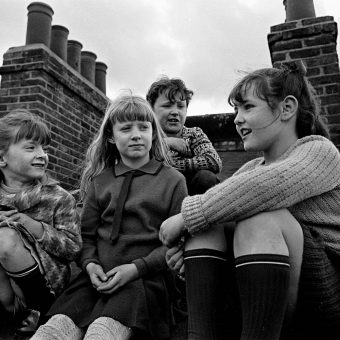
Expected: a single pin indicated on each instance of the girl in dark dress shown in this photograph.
(128, 190)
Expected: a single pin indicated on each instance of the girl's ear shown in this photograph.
(289, 107)
(111, 140)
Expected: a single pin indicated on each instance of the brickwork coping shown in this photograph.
(39, 23)
(59, 35)
(220, 129)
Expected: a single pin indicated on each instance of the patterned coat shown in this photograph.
(61, 242)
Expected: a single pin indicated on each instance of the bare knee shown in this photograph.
(267, 232)
(9, 240)
(211, 239)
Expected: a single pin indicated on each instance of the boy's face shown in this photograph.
(23, 162)
(171, 116)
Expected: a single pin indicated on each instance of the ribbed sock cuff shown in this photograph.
(204, 253)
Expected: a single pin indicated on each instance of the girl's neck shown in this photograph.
(135, 163)
(279, 149)
(13, 185)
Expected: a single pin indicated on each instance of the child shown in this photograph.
(286, 241)
(39, 229)
(123, 287)
(191, 150)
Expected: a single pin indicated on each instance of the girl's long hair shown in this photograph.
(102, 154)
(274, 84)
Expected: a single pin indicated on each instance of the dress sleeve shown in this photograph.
(90, 220)
(311, 168)
(203, 155)
(62, 239)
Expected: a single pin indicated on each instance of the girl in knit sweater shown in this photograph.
(285, 206)
(129, 189)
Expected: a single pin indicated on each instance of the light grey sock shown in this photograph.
(105, 328)
(59, 327)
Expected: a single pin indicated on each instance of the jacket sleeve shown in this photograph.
(155, 260)
(203, 155)
(311, 169)
(62, 239)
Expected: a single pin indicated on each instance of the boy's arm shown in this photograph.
(203, 154)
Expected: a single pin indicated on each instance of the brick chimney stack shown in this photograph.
(312, 39)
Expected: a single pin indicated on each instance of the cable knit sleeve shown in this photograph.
(309, 168)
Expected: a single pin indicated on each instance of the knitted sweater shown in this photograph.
(200, 153)
(305, 180)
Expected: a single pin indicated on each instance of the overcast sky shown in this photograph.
(204, 42)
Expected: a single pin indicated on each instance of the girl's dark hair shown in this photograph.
(171, 88)
(274, 84)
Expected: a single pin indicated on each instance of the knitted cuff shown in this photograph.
(194, 220)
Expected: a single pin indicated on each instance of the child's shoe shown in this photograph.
(26, 320)
(29, 323)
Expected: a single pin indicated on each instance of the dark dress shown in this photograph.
(143, 304)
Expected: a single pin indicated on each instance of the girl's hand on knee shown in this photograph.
(171, 230)
(5, 217)
(118, 277)
(35, 227)
(96, 274)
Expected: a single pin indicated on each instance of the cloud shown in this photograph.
(203, 42)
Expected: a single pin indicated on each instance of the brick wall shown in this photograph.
(35, 78)
(314, 41)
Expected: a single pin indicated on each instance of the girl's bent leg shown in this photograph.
(105, 328)
(59, 327)
(14, 256)
(207, 283)
(268, 251)
(6, 292)
(21, 267)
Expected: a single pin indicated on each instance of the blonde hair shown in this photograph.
(102, 154)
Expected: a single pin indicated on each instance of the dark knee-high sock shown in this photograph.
(33, 285)
(263, 281)
(206, 290)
